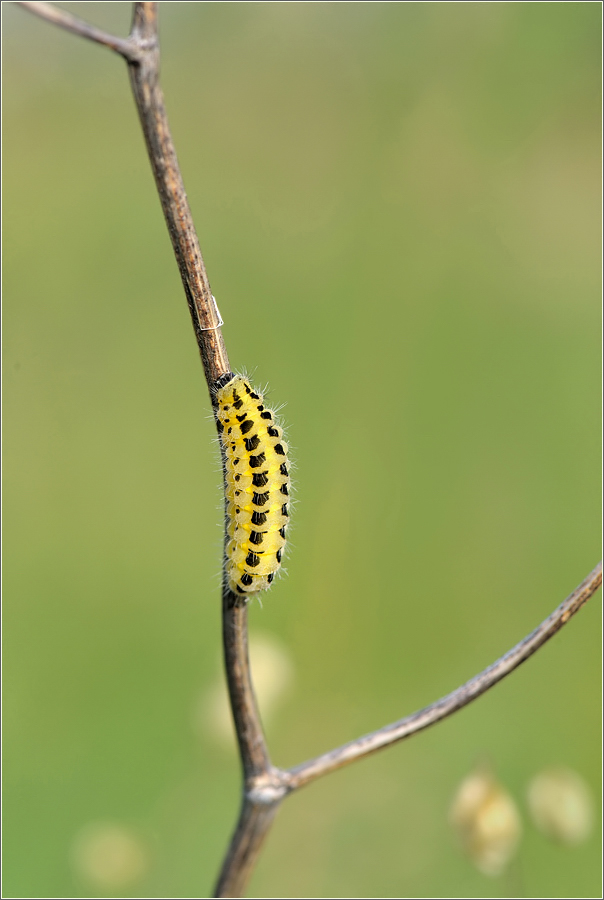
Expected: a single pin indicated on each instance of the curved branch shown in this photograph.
(390, 734)
(124, 46)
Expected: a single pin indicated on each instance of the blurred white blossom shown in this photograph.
(272, 676)
(486, 821)
(109, 856)
(561, 805)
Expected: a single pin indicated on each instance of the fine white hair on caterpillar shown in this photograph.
(256, 473)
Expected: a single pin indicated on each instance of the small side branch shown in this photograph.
(390, 734)
(124, 46)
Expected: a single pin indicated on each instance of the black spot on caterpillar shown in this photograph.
(256, 521)
(251, 443)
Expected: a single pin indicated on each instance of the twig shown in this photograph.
(252, 746)
(404, 728)
(124, 46)
(264, 786)
(255, 820)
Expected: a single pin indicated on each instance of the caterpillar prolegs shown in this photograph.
(256, 472)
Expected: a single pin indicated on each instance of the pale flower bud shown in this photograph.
(486, 821)
(109, 856)
(561, 806)
(272, 675)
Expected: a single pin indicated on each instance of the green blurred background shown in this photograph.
(398, 205)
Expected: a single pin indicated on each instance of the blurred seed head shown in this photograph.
(561, 805)
(272, 674)
(109, 856)
(486, 821)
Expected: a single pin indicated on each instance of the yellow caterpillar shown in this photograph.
(256, 485)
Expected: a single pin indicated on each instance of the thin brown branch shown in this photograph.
(255, 820)
(252, 745)
(124, 46)
(404, 728)
(263, 787)
(261, 793)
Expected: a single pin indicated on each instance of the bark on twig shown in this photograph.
(250, 737)
(255, 820)
(264, 786)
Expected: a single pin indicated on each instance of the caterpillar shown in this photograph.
(256, 475)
